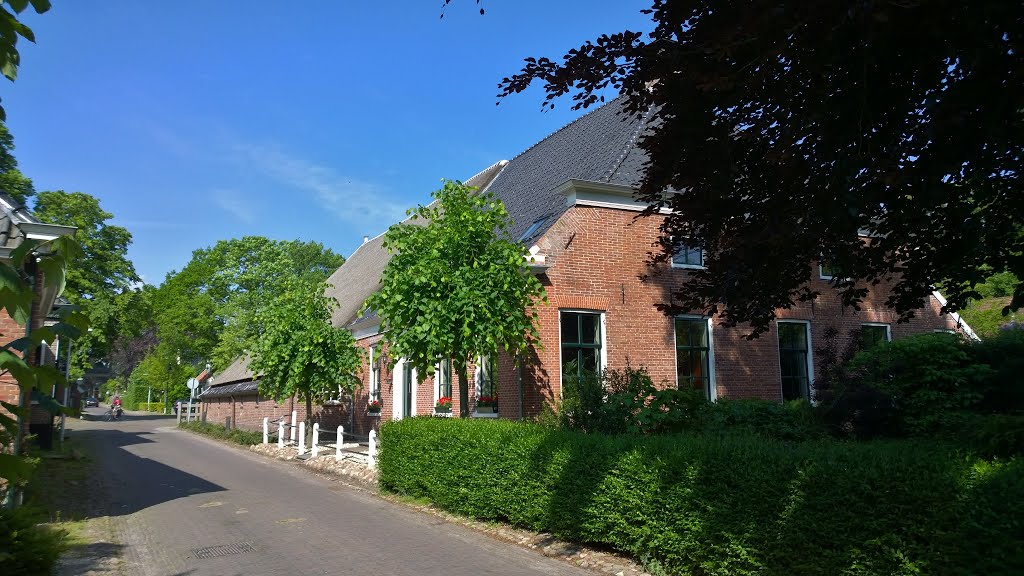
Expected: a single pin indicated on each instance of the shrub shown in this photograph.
(918, 386)
(723, 505)
(794, 421)
(244, 437)
(27, 548)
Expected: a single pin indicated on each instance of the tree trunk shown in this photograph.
(463, 389)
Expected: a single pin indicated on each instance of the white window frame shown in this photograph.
(888, 328)
(701, 266)
(374, 375)
(478, 380)
(398, 397)
(810, 357)
(712, 385)
(437, 390)
(604, 341)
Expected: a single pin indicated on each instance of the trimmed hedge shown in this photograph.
(243, 437)
(725, 504)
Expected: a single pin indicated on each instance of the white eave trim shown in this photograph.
(956, 317)
(366, 332)
(602, 195)
(40, 231)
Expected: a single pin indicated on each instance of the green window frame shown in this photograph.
(581, 341)
(444, 378)
(872, 335)
(794, 359)
(693, 355)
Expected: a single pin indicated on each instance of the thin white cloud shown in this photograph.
(347, 199)
(234, 203)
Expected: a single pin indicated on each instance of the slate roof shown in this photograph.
(234, 380)
(599, 146)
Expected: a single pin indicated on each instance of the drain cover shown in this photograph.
(224, 550)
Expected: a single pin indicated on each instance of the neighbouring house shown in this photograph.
(571, 199)
(234, 393)
(16, 225)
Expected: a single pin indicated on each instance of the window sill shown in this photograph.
(688, 267)
(447, 414)
(485, 414)
(373, 414)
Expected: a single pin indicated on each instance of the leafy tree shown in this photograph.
(97, 280)
(298, 351)
(10, 30)
(455, 286)
(777, 132)
(12, 181)
(208, 309)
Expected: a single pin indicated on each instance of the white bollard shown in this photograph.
(293, 426)
(280, 433)
(302, 437)
(371, 460)
(266, 430)
(341, 440)
(316, 439)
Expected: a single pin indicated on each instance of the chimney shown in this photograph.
(366, 239)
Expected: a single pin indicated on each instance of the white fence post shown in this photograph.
(293, 425)
(316, 439)
(371, 459)
(302, 437)
(341, 440)
(280, 433)
(266, 430)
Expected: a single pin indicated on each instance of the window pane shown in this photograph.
(570, 327)
(872, 335)
(793, 354)
(590, 332)
(693, 356)
(685, 255)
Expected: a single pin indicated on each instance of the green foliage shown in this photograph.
(212, 303)
(10, 30)
(627, 402)
(16, 297)
(150, 406)
(773, 132)
(926, 385)
(12, 181)
(298, 351)
(243, 437)
(455, 286)
(97, 279)
(27, 548)
(723, 505)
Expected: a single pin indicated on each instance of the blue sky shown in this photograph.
(195, 121)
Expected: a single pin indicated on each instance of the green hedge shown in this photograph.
(150, 406)
(26, 547)
(244, 437)
(724, 504)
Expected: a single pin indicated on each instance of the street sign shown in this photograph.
(192, 383)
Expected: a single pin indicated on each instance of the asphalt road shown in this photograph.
(183, 504)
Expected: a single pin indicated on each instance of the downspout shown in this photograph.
(519, 377)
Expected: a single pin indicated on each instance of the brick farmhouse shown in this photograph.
(571, 199)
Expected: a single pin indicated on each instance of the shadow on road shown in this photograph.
(129, 483)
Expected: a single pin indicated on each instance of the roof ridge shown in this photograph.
(630, 144)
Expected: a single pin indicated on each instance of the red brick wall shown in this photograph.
(598, 263)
